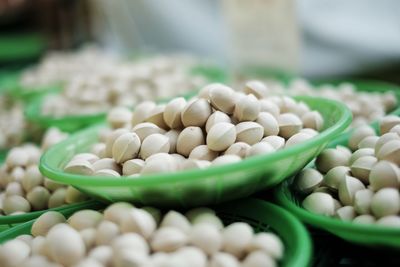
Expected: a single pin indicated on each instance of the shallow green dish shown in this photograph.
(197, 187)
(7, 222)
(261, 215)
(71, 123)
(362, 234)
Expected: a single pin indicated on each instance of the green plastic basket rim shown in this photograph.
(50, 172)
(20, 218)
(325, 222)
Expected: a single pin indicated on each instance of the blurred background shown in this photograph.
(312, 38)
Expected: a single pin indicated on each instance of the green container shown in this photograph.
(10, 221)
(197, 187)
(371, 235)
(262, 216)
(72, 123)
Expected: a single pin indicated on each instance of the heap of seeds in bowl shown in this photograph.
(125, 236)
(124, 84)
(218, 126)
(22, 186)
(360, 183)
(359, 102)
(12, 122)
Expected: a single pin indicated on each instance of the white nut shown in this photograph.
(188, 139)
(384, 174)
(126, 147)
(261, 148)
(270, 243)
(221, 136)
(196, 113)
(153, 144)
(362, 201)
(215, 118)
(361, 168)
(313, 120)
(330, 158)
(269, 123)
(65, 245)
(202, 152)
(172, 112)
(390, 152)
(236, 238)
(226, 159)
(247, 108)
(346, 213)
(275, 141)
(239, 149)
(132, 166)
(307, 180)
(319, 203)
(249, 132)
(138, 221)
(206, 237)
(335, 175)
(385, 202)
(222, 98)
(168, 239)
(289, 124)
(348, 188)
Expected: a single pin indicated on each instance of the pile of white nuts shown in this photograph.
(127, 236)
(359, 185)
(12, 122)
(22, 186)
(218, 126)
(122, 84)
(358, 102)
(59, 67)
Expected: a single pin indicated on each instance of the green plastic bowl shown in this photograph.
(197, 187)
(371, 235)
(262, 216)
(10, 221)
(72, 123)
